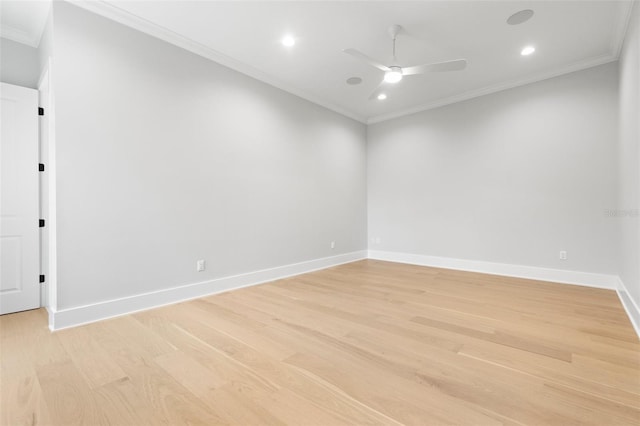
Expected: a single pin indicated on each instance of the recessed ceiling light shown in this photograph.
(382, 97)
(354, 80)
(520, 17)
(288, 41)
(528, 50)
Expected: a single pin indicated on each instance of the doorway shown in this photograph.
(19, 200)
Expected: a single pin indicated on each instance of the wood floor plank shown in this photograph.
(370, 342)
(168, 397)
(123, 404)
(22, 400)
(617, 388)
(68, 396)
(91, 359)
(279, 375)
(237, 405)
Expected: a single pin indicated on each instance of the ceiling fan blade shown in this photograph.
(357, 54)
(455, 65)
(383, 87)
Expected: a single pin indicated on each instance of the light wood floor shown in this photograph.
(365, 343)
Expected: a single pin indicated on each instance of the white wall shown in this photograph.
(19, 64)
(164, 157)
(46, 40)
(512, 177)
(629, 160)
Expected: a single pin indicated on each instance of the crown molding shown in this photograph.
(128, 19)
(619, 34)
(44, 24)
(121, 16)
(581, 65)
(620, 31)
(19, 36)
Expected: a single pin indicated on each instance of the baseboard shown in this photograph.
(630, 306)
(76, 316)
(50, 313)
(587, 279)
(72, 317)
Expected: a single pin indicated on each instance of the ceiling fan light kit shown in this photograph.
(394, 73)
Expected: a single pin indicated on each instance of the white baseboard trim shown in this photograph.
(587, 279)
(629, 305)
(51, 316)
(80, 315)
(72, 317)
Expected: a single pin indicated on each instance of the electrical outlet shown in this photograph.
(563, 255)
(200, 265)
(333, 244)
(378, 240)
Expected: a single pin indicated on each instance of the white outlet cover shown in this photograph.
(200, 265)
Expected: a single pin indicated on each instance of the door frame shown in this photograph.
(48, 252)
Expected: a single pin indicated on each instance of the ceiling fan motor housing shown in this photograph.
(394, 74)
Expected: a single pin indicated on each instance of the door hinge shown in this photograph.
(40, 111)
(41, 223)
(41, 278)
(41, 167)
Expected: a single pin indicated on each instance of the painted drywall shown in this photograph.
(46, 41)
(19, 64)
(164, 158)
(628, 208)
(512, 177)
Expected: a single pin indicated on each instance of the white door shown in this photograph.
(19, 232)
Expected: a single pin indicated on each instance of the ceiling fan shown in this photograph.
(394, 73)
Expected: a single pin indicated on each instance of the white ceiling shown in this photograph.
(245, 35)
(23, 21)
